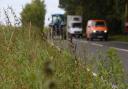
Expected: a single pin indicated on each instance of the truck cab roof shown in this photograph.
(57, 14)
(97, 20)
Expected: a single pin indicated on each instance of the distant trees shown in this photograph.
(34, 13)
(111, 10)
(126, 9)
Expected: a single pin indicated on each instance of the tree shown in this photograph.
(34, 13)
(71, 7)
(126, 10)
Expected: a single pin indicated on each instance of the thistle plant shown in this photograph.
(17, 21)
(7, 19)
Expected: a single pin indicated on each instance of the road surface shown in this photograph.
(86, 49)
(95, 47)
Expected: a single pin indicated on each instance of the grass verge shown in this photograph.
(123, 38)
(29, 62)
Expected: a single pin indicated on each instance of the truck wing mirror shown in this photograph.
(89, 26)
(48, 19)
(64, 24)
(50, 25)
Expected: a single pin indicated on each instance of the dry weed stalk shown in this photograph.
(5, 38)
(73, 48)
(30, 27)
(17, 21)
(9, 24)
(7, 19)
(0, 18)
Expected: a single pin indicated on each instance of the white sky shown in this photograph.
(51, 7)
(17, 6)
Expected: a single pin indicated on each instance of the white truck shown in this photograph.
(74, 26)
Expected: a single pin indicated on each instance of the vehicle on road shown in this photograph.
(74, 26)
(96, 29)
(57, 25)
(65, 26)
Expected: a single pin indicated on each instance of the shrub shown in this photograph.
(34, 13)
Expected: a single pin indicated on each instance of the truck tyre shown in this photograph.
(69, 35)
(87, 39)
(65, 37)
(101, 39)
(91, 39)
(106, 39)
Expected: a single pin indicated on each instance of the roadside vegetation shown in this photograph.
(123, 38)
(28, 61)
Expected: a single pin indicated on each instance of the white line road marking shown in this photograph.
(119, 49)
(120, 42)
(97, 44)
(83, 41)
(125, 50)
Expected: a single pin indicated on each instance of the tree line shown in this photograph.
(113, 11)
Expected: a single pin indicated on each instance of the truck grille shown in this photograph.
(77, 32)
(100, 32)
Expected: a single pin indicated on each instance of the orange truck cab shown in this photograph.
(96, 29)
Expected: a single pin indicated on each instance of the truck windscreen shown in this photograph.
(78, 25)
(57, 19)
(100, 24)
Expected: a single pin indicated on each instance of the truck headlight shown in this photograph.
(105, 31)
(94, 31)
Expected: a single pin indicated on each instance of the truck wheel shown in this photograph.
(106, 39)
(69, 35)
(91, 39)
(87, 39)
(101, 39)
(64, 37)
(77, 36)
(81, 36)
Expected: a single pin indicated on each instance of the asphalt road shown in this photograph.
(93, 49)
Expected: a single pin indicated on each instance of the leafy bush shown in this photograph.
(34, 13)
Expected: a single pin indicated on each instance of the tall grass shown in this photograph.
(28, 62)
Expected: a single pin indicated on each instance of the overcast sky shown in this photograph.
(51, 7)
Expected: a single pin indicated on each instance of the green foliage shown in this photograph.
(34, 13)
(123, 38)
(71, 6)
